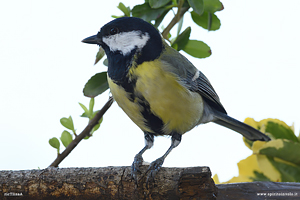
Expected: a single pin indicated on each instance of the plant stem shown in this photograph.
(180, 12)
(83, 134)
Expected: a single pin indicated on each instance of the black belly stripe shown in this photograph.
(118, 67)
(152, 121)
(129, 87)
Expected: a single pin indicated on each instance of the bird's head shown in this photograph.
(127, 36)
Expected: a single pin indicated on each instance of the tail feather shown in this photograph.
(247, 131)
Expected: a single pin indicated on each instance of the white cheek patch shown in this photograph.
(125, 42)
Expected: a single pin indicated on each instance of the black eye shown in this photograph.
(113, 31)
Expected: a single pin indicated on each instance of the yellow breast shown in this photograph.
(178, 108)
(132, 109)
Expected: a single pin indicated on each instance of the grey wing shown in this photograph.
(194, 79)
(202, 86)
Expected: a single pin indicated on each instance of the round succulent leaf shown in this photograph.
(158, 3)
(66, 138)
(197, 49)
(145, 12)
(182, 39)
(197, 5)
(99, 55)
(96, 85)
(212, 5)
(207, 20)
(54, 142)
(67, 123)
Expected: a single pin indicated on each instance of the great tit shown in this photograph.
(159, 89)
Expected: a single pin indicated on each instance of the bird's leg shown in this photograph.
(156, 165)
(138, 159)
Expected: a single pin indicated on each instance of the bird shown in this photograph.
(159, 89)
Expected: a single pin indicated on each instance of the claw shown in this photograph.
(135, 167)
(154, 167)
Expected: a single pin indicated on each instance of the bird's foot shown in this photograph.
(135, 167)
(154, 168)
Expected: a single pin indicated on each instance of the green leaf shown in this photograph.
(169, 35)
(145, 12)
(288, 173)
(99, 55)
(84, 115)
(212, 5)
(95, 128)
(259, 176)
(86, 111)
(280, 131)
(248, 143)
(124, 9)
(158, 3)
(98, 125)
(115, 16)
(182, 39)
(86, 137)
(72, 124)
(197, 6)
(105, 62)
(96, 85)
(174, 2)
(180, 23)
(197, 49)
(54, 142)
(207, 20)
(284, 149)
(84, 108)
(66, 138)
(67, 123)
(94, 113)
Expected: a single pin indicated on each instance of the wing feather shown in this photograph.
(193, 79)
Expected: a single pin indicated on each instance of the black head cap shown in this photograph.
(151, 50)
(127, 24)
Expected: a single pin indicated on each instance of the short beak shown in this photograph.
(92, 40)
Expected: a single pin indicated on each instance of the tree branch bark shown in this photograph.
(115, 183)
(107, 183)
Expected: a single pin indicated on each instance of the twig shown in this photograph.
(83, 134)
(180, 12)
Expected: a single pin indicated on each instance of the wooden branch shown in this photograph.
(83, 134)
(107, 183)
(115, 183)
